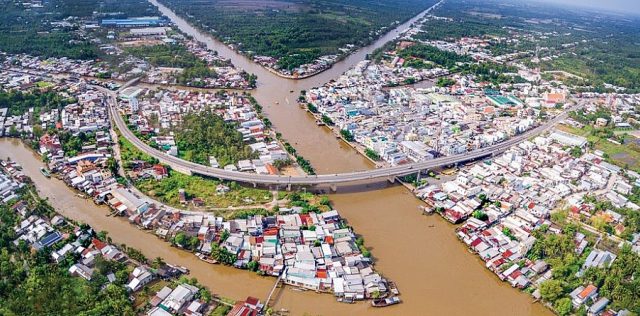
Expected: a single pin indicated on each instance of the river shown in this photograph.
(433, 270)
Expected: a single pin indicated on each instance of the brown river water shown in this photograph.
(435, 273)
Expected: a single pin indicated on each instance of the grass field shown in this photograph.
(167, 189)
(626, 155)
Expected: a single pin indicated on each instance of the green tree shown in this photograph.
(563, 306)
(551, 290)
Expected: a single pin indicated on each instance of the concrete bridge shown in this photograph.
(389, 173)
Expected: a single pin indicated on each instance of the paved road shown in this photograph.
(389, 172)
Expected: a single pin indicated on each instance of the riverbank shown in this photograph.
(422, 281)
(382, 33)
(437, 274)
(219, 240)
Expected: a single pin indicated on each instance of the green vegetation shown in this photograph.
(207, 134)
(222, 255)
(360, 243)
(26, 30)
(347, 135)
(175, 55)
(31, 285)
(46, 45)
(187, 242)
(327, 120)
(290, 62)
(379, 53)
(221, 310)
(312, 108)
(372, 154)
(493, 73)
(19, 102)
(72, 145)
(479, 214)
(130, 153)
(417, 64)
(443, 58)
(619, 282)
(445, 82)
(303, 163)
(631, 217)
(297, 31)
(309, 202)
(625, 153)
(166, 191)
(602, 48)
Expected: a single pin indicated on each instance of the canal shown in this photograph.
(433, 270)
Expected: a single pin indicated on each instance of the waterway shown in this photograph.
(433, 270)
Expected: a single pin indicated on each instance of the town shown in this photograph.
(139, 129)
(300, 240)
(89, 255)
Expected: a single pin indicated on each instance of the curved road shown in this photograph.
(388, 172)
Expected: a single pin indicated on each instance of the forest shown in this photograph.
(207, 134)
(297, 30)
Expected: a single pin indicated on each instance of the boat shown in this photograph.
(385, 302)
(393, 288)
(425, 210)
(346, 300)
(45, 172)
(277, 102)
(204, 258)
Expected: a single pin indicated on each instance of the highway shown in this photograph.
(255, 179)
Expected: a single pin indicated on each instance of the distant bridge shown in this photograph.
(389, 173)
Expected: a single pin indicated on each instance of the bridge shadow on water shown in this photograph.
(343, 188)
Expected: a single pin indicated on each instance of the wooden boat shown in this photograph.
(393, 288)
(204, 258)
(386, 302)
(45, 172)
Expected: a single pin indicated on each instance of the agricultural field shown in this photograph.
(296, 31)
(600, 47)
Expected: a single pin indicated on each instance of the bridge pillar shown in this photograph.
(334, 188)
(289, 187)
(255, 185)
(391, 179)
